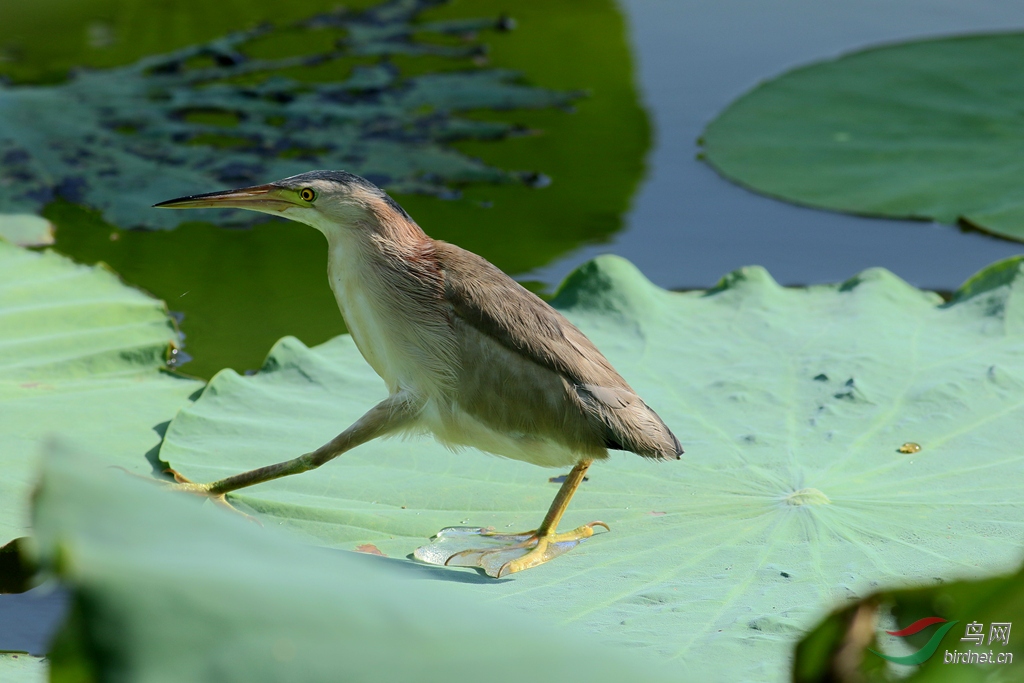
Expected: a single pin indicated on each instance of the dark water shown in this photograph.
(28, 621)
(687, 226)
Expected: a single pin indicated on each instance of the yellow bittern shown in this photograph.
(467, 354)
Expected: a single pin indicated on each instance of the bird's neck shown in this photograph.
(388, 285)
(372, 262)
(380, 231)
(398, 229)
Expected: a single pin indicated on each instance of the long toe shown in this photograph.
(182, 483)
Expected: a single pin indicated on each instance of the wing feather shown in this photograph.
(497, 306)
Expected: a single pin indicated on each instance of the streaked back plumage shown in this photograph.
(590, 407)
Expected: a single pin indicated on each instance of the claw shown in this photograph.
(178, 476)
(222, 500)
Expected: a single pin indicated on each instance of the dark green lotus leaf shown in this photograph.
(795, 407)
(165, 589)
(971, 641)
(209, 116)
(924, 130)
(83, 355)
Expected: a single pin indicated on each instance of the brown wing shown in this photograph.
(499, 308)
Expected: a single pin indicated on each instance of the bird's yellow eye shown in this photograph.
(307, 194)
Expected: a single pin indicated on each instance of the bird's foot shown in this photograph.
(182, 483)
(501, 554)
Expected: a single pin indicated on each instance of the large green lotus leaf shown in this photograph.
(792, 405)
(210, 116)
(164, 589)
(845, 646)
(17, 667)
(81, 354)
(924, 130)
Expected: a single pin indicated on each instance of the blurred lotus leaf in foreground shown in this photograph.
(165, 589)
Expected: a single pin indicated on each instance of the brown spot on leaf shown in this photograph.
(369, 549)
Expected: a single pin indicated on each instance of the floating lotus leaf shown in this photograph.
(208, 116)
(838, 438)
(164, 589)
(923, 130)
(81, 354)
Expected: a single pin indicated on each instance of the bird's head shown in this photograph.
(336, 203)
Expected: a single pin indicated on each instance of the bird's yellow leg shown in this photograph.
(390, 414)
(509, 553)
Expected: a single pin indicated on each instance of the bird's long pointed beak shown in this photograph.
(263, 198)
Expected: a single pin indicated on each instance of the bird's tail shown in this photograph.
(629, 423)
